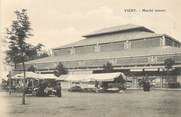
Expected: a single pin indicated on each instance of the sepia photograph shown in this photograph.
(90, 58)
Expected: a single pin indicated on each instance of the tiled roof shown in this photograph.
(115, 54)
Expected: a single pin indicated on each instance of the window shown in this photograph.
(97, 48)
(84, 49)
(117, 46)
(145, 43)
(168, 42)
(152, 59)
(63, 51)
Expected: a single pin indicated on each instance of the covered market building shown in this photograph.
(135, 50)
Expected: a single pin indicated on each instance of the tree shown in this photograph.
(107, 67)
(18, 48)
(60, 70)
(32, 52)
(40, 53)
(32, 68)
(44, 54)
(35, 52)
(13, 56)
(168, 63)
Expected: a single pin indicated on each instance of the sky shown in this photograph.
(59, 22)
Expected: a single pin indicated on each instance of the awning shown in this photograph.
(28, 75)
(177, 65)
(47, 76)
(62, 77)
(136, 70)
(147, 69)
(74, 77)
(35, 76)
(91, 77)
(151, 69)
(105, 76)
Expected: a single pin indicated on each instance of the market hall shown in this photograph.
(135, 50)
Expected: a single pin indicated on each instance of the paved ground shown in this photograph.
(129, 104)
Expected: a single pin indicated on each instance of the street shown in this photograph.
(129, 104)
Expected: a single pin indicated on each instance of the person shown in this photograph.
(58, 90)
(96, 86)
(42, 87)
(146, 86)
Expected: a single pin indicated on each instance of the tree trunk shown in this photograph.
(15, 65)
(24, 71)
(162, 81)
(167, 78)
(9, 83)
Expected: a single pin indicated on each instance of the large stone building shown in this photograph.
(135, 50)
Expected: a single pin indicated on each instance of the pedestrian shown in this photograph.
(58, 90)
(96, 86)
(146, 86)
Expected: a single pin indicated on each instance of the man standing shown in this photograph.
(146, 86)
(58, 90)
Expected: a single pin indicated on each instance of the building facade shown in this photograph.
(135, 50)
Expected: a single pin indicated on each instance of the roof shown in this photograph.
(107, 39)
(113, 29)
(114, 54)
(115, 34)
